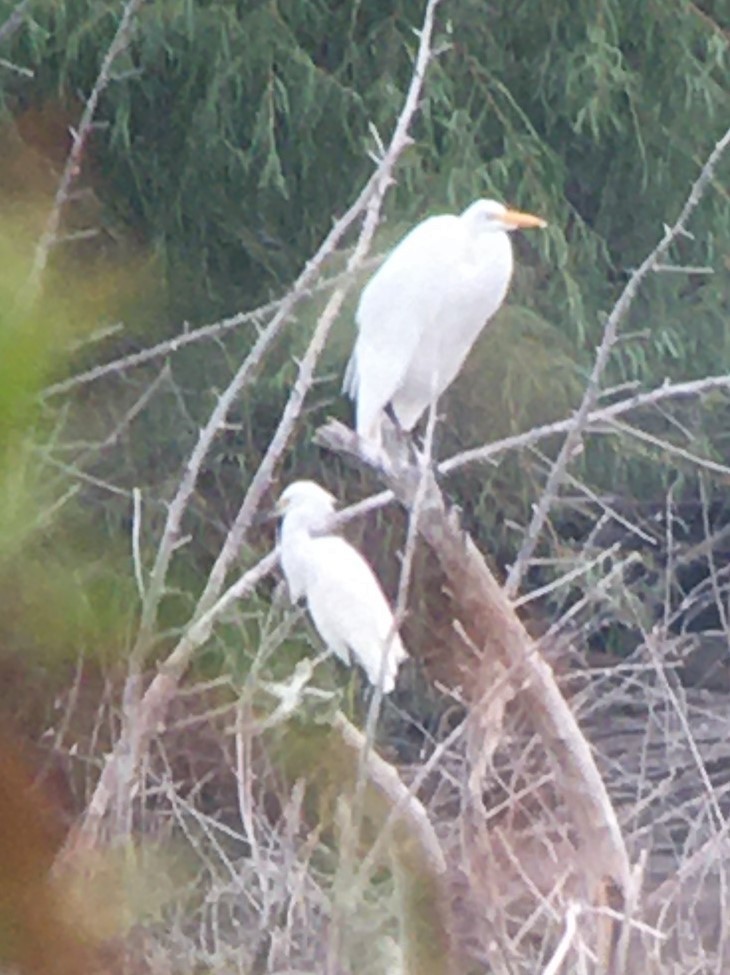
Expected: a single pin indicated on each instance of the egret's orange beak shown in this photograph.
(522, 221)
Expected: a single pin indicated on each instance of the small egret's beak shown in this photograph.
(522, 221)
(270, 514)
(264, 517)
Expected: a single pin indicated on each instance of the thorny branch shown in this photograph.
(370, 200)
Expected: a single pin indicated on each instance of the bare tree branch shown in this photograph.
(419, 862)
(80, 137)
(667, 447)
(594, 419)
(370, 200)
(610, 335)
(14, 21)
(154, 704)
(190, 336)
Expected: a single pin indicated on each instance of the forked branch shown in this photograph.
(498, 632)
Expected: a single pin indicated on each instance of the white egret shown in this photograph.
(343, 596)
(423, 309)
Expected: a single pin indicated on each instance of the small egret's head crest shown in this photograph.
(486, 215)
(305, 494)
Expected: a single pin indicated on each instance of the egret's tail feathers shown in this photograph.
(397, 654)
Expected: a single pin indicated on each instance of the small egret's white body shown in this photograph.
(342, 593)
(423, 309)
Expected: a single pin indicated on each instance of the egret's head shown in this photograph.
(305, 496)
(489, 215)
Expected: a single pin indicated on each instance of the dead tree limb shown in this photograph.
(498, 632)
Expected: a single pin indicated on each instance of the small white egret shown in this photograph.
(343, 596)
(423, 309)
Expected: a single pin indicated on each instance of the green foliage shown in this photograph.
(65, 590)
(234, 130)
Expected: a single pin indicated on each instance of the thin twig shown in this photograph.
(136, 535)
(651, 642)
(190, 336)
(80, 136)
(583, 569)
(722, 611)
(571, 927)
(669, 448)
(590, 397)
(14, 21)
(596, 417)
(154, 704)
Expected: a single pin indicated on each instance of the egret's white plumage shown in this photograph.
(343, 595)
(422, 310)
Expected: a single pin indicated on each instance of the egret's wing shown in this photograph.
(349, 608)
(349, 380)
(396, 311)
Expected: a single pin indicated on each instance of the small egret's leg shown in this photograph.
(371, 446)
(390, 413)
(423, 458)
(426, 453)
(397, 441)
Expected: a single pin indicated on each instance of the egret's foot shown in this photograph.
(374, 454)
(424, 460)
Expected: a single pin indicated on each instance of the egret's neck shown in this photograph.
(491, 245)
(305, 520)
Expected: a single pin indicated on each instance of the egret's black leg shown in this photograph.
(429, 461)
(390, 413)
(396, 441)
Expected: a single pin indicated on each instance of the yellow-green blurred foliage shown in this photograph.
(65, 590)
